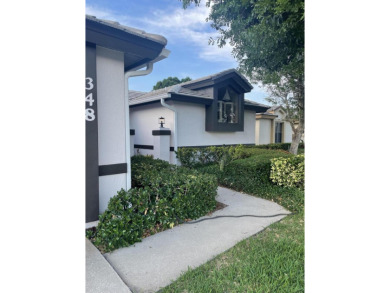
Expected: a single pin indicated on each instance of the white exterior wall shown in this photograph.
(287, 133)
(144, 119)
(191, 119)
(257, 131)
(111, 120)
(263, 131)
(191, 128)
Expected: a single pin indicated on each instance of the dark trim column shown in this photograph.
(91, 137)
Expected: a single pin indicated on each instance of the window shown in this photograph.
(227, 106)
(278, 132)
(226, 111)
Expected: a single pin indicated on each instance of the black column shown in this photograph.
(91, 137)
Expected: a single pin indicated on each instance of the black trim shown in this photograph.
(144, 147)
(216, 145)
(136, 49)
(112, 169)
(212, 123)
(91, 141)
(225, 78)
(132, 131)
(161, 132)
(171, 149)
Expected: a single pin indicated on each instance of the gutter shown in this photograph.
(132, 73)
(164, 104)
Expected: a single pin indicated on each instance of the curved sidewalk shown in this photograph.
(160, 259)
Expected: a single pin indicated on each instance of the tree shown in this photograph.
(267, 37)
(169, 81)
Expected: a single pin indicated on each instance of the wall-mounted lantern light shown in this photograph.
(161, 121)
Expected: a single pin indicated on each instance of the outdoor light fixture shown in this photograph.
(161, 121)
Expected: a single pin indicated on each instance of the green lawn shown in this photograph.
(271, 261)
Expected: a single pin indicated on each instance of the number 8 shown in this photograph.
(89, 114)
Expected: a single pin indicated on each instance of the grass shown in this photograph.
(271, 261)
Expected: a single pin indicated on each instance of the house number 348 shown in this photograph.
(89, 112)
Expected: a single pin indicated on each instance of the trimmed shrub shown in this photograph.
(252, 175)
(162, 196)
(200, 156)
(288, 172)
(277, 146)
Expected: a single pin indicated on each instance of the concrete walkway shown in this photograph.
(100, 277)
(160, 259)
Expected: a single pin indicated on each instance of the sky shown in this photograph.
(187, 33)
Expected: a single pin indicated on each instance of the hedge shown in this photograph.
(276, 146)
(199, 156)
(252, 175)
(162, 196)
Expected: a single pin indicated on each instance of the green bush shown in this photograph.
(252, 175)
(162, 196)
(200, 156)
(288, 172)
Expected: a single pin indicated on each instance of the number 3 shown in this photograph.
(89, 83)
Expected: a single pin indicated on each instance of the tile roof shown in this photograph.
(130, 30)
(252, 103)
(137, 97)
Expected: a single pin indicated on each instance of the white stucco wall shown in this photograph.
(111, 120)
(144, 119)
(191, 120)
(263, 131)
(191, 128)
(257, 131)
(288, 132)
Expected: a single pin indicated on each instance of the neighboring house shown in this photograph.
(271, 127)
(207, 111)
(113, 54)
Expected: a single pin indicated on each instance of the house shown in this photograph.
(209, 111)
(114, 53)
(271, 127)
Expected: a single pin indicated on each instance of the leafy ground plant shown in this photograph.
(162, 196)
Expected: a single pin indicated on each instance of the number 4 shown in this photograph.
(89, 99)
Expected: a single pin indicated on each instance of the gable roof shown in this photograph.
(188, 89)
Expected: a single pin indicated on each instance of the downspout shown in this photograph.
(175, 124)
(128, 74)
